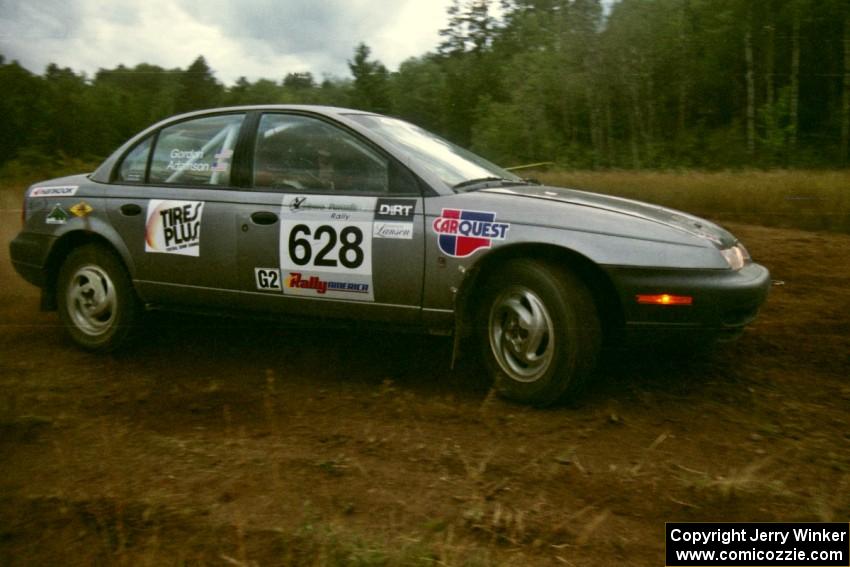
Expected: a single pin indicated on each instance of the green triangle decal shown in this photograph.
(57, 216)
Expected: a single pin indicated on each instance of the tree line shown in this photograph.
(649, 84)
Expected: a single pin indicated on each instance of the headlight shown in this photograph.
(736, 256)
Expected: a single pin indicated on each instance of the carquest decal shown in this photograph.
(174, 227)
(81, 209)
(461, 233)
(56, 216)
(55, 191)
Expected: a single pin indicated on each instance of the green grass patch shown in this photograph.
(808, 200)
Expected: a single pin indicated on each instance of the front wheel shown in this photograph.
(539, 330)
(96, 299)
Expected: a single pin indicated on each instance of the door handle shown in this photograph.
(130, 210)
(264, 217)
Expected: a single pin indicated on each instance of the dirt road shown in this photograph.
(215, 442)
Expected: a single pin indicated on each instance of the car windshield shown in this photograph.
(456, 167)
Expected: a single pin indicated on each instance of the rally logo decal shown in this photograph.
(297, 280)
(461, 233)
(174, 227)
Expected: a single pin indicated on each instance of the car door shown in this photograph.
(331, 225)
(171, 203)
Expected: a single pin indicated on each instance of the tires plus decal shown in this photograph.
(461, 233)
(174, 227)
(394, 218)
(326, 246)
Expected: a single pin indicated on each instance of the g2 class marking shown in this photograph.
(268, 279)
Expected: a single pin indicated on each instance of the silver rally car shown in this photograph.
(342, 214)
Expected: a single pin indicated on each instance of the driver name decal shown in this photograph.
(174, 227)
(461, 233)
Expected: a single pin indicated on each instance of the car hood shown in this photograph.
(652, 213)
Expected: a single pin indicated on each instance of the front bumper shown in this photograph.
(724, 301)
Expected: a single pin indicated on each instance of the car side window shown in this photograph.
(135, 163)
(196, 152)
(294, 152)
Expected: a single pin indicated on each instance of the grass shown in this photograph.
(808, 200)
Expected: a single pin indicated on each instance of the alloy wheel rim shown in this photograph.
(92, 303)
(522, 335)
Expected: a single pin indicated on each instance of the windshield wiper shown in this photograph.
(485, 181)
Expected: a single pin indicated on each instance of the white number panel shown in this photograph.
(326, 247)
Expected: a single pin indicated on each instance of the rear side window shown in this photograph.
(196, 152)
(135, 163)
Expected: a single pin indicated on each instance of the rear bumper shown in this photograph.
(724, 301)
(28, 252)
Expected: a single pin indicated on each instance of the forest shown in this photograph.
(642, 84)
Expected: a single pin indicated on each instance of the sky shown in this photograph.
(251, 38)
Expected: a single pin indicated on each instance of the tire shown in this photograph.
(539, 330)
(96, 300)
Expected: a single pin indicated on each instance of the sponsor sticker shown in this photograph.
(81, 209)
(56, 216)
(268, 279)
(394, 218)
(55, 191)
(400, 230)
(320, 286)
(174, 227)
(312, 203)
(461, 233)
(395, 210)
(326, 246)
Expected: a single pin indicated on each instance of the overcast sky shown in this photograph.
(255, 38)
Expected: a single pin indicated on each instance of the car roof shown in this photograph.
(313, 108)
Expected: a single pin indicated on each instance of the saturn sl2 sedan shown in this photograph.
(341, 214)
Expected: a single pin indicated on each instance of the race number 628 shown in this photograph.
(323, 247)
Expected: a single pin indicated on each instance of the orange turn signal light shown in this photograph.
(665, 299)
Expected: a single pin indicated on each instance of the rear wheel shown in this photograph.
(539, 330)
(96, 299)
